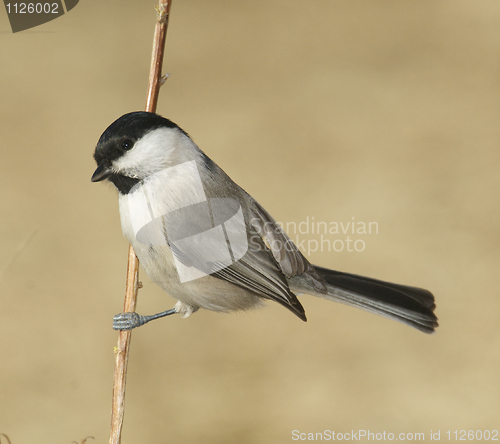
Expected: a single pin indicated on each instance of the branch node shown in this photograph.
(161, 13)
(164, 78)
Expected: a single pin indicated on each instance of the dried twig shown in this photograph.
(5, 436)
(84, 440)
(132, 284)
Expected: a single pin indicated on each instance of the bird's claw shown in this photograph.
(126, 321)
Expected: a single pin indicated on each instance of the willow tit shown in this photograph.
(209, 244)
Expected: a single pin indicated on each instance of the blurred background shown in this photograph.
(343, 111)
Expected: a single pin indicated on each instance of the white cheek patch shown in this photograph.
(150, 154)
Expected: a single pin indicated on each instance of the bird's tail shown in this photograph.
(409, 305)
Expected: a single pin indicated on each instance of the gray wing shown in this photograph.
(289, 258)
(258, 272)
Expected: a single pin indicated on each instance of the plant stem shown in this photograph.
(132, 283)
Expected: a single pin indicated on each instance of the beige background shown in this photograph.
(383, 111)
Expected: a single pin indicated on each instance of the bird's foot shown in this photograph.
(130, 320)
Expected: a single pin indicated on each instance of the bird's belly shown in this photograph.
(206, 292)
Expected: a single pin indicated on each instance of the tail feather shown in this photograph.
(410, 305)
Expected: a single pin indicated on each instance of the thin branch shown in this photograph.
(163, 13)
(132, 284)
(6, 437)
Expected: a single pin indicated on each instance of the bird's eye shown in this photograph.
(127, 145)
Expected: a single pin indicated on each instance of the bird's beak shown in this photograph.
(102, 172)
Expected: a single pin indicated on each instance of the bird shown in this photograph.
(210, 245)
